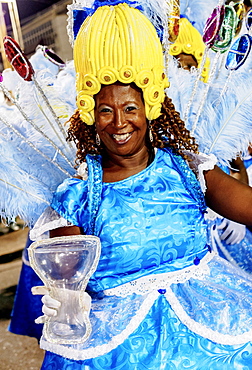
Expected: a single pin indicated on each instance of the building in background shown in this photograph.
(13, 14)
(47, 28)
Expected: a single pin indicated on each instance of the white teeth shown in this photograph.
(121, 137)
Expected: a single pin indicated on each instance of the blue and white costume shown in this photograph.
(161, 299)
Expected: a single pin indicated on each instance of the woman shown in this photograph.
(161, 299)
(189, 48)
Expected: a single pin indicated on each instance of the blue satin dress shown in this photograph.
(161, 299)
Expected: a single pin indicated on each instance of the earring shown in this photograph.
(97, 140)
(150, 133)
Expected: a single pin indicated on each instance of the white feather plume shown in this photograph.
(35, 157)
(225, 126)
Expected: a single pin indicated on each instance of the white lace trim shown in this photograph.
(203, 330)
(151, 285)
(147, 284)
(92, 352)
(201, 162)
(49, 220)
(208, 164)
(77, 5)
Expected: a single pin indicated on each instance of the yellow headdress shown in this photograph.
(118, 43)
(189, 41)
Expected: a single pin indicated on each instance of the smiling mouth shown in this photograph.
(122, 138)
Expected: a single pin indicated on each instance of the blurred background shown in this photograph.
(35, 22)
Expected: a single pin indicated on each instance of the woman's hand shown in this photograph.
(232, 232)
(50, 305)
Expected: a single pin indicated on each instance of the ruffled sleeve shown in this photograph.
(70, 201)
(199, 163)
(68, 208)
(49, 220)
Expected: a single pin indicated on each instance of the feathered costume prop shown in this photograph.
(50, 165)
(35, 156)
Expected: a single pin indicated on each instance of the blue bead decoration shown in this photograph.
(95, 189)
(239, 52)
(162, 291)
(196, 261)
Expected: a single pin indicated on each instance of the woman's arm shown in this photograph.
(228, 197)
(65, 231)
(238, 170)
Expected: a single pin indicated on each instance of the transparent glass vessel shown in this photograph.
(65, 265)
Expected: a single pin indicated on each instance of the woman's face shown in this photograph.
(186, 61)
(120, 119)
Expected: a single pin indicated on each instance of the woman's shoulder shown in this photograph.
(71, 181)
(190, 170)
(72, 186)
(70, 198)
(172, 159)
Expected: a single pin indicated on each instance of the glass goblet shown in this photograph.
(65, 265)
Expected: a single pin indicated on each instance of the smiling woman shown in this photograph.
(125, 138)
(120, 119)
(123, 135)
(161, 298)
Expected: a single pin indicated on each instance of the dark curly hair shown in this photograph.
(168, 130)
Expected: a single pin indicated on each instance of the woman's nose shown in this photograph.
(119, 118)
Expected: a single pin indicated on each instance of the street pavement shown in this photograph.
(17, 352)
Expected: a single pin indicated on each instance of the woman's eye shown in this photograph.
(130, 108)
(105, 110)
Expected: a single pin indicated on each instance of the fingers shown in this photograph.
(227, 233)
(49, 312)
(231, 239)
(236, 239)
(39, 290)
(233, 233)
(40, 320)
(85, 302)
(50, 302)
(223, 224)
(50, 306)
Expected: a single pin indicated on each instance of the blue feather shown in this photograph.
(225, 125)
(31, 168)
(198, 11)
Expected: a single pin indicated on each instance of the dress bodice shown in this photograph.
(149, 223)
(154, 265)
